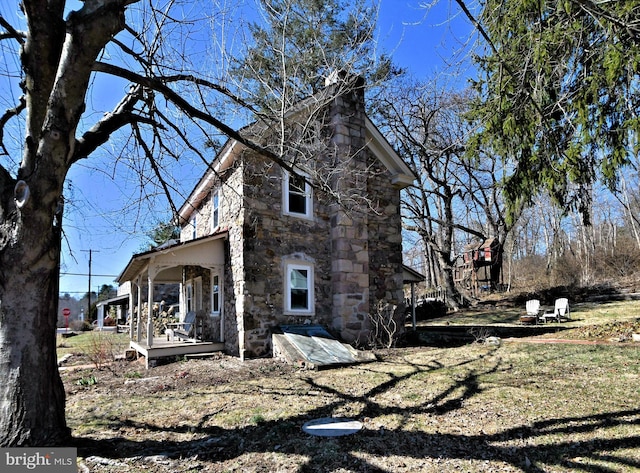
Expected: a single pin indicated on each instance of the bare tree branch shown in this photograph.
(158, 84)
(8, 115)
(156, 169)
(12, 33)
(101, 132)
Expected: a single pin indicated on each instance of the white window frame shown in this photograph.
(216, 310)
(194, 226)
(308, 195)
(188, 297)
(215, 209)
(289, 268)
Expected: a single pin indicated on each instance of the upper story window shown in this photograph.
(194, 227)
(299, 298)
(215, 210)
(297, 196)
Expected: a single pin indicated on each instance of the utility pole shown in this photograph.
(89, 292)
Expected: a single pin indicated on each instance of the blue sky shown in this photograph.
(424, 42)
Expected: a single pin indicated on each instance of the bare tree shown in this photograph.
(458, 198)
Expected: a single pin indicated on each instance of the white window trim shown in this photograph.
(215, 225)
(215, 312)
(308, 192)
(287, 288)
(194, 226)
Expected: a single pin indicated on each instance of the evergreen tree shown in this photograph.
(558, 94)
(300, 43)
(162, 233)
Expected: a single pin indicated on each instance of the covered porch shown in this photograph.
(197, 267)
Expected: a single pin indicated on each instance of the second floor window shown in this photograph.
(215, 210)
(297, 196)
(194, 228)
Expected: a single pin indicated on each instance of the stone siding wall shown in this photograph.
(271, 239)
(349, 227)
(231, 216)
(385, 245)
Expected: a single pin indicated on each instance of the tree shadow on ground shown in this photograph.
(360, 452)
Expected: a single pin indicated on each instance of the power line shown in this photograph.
(87, 274)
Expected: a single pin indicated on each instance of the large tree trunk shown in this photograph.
(57, 60)
(453, 295)
(32, 398)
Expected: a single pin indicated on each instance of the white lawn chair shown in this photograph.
(560, 311)
(533, 307)
(533, 311)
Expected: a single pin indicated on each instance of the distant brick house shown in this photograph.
(260, 247)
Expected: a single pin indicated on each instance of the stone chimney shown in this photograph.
(349, 233)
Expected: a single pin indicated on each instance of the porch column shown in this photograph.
(129, 317)
(150, 311)
(139, 311)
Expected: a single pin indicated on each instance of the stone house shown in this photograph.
(261, 246)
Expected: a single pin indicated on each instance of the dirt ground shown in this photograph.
(422, 409)
(131, 377)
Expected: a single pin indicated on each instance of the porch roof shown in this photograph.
(410, 275)
(119, 300)
(207, 251)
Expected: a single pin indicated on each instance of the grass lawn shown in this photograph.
(475, 408)
(588, 313)
(84, 341)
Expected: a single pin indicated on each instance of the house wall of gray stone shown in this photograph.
(271, 239)
(385, 247)
(357, 253)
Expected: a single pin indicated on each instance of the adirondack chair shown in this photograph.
(185, 330)
(532, 312)
(560, 311)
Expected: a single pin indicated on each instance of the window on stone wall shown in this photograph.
(194, 227)
(299, 288)
(215, 210)
(297, 196)
(215, 294)
(188, 297)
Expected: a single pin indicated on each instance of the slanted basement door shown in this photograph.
(314, 347)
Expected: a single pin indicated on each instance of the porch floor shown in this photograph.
(162, 347)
